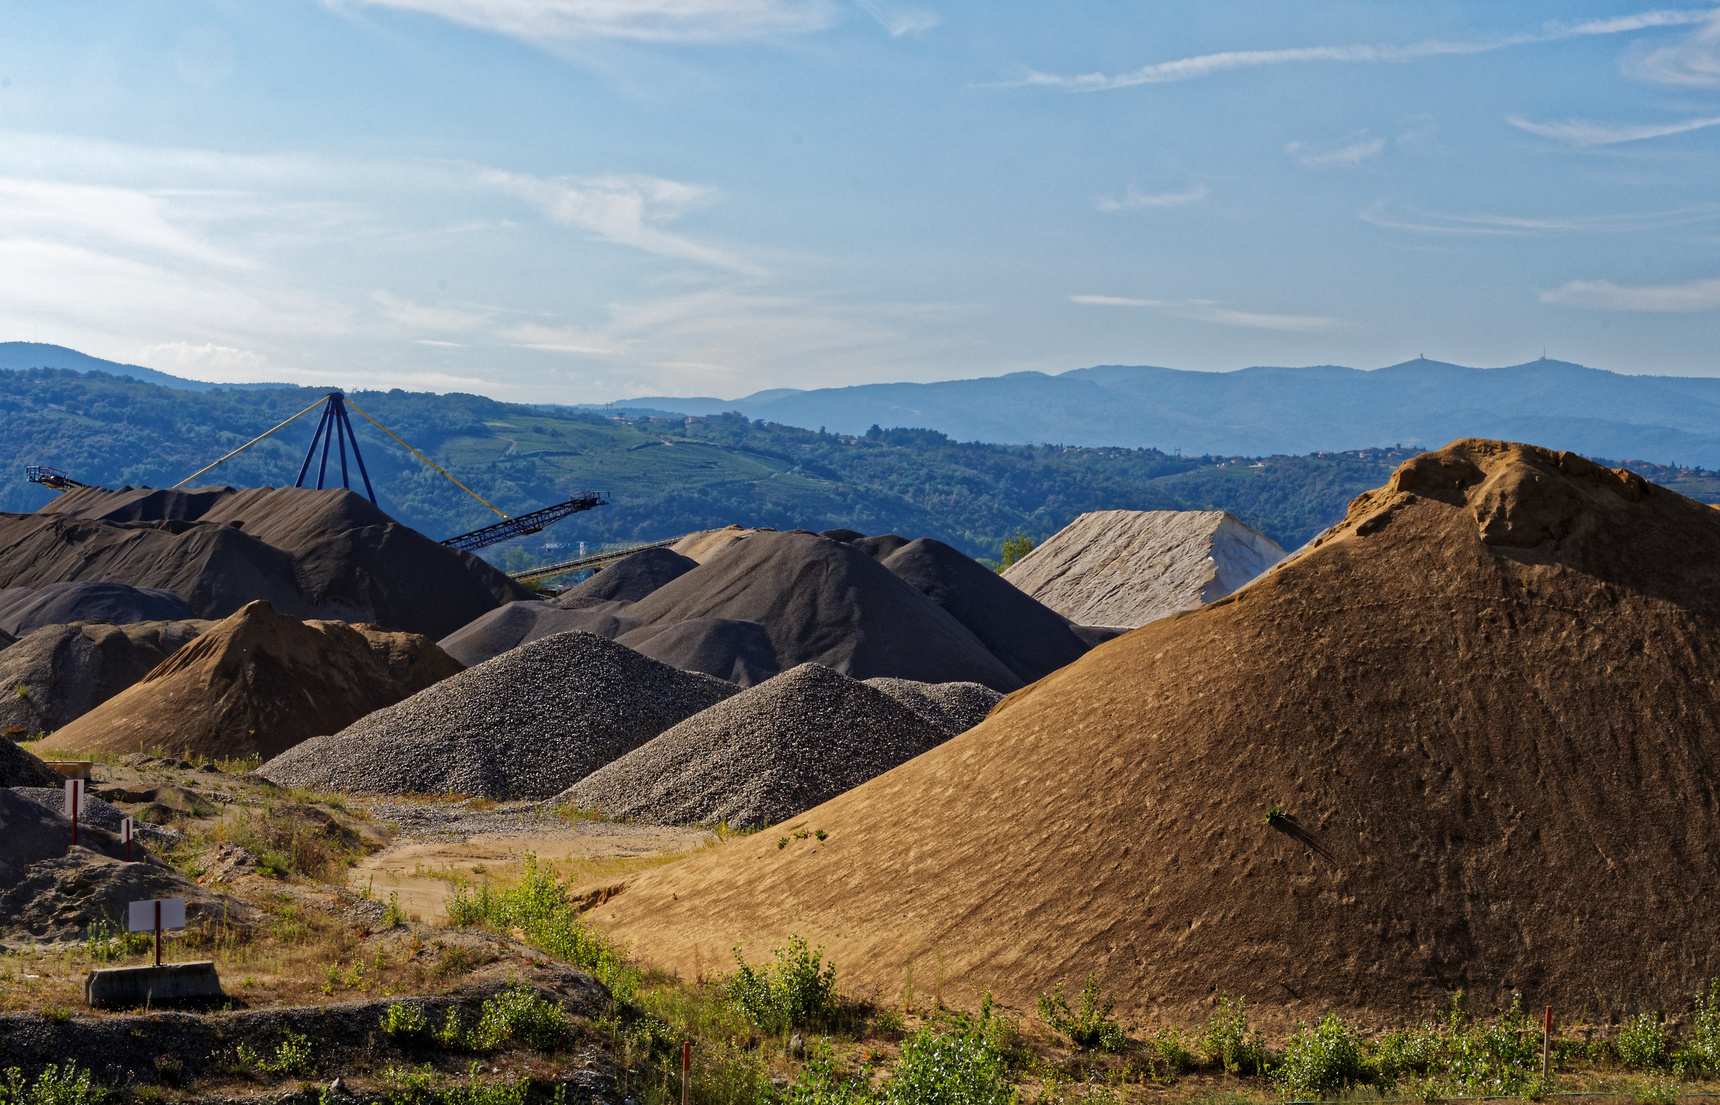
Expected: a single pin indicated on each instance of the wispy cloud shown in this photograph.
(900, 19)
(109, 216)
(557, 22)
(1427, 222)
(1352, 153)
(1695, 61)
(1134, 200)
(1604, 295)
(422, 317)
(1582, 132)
(1206, 65)
(1207, 310)
(626, 210)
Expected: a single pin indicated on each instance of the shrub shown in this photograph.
(1227, 1040)
(405, 1021)
(960, 1065)
(823, 1082)
(1700, 1055)
(519, 1015)
(423, 1086)
(393, 915)
(796, 989)
(1167, 1045)
(1014, 548)
(1092, 1027)
(1642, 1042)
(293, 1056)
(56, 1085)
(1323, 1060)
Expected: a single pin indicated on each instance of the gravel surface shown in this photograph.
(98, 813)
(953, 707)
(527, 724)
(768, 753)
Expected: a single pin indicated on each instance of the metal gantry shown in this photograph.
(334, 426)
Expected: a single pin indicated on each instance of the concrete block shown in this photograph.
(125, 986)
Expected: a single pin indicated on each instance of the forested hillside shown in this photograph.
(665, 476)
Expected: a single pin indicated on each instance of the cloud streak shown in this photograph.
(1694, 62)
(1604, 295)
(1519, 226)
(898, 19)
(1207, 310)
(1206, 65)
(1344, 157)
(558, 22)
(1133, 200)
(1584, 133)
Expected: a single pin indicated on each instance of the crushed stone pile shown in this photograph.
(728, 648)
(630, 579)
(98, 813)
(1032, 640)
(257, 683)
(519, 623)
(312, 554)
(1125, 568)
(30, 833)
(1483, 708)
(763, 756)
(527, 724)
(68, 670)
(953, 707)
(19, 768)
(61, 899)
(6, 640)
(26, 609)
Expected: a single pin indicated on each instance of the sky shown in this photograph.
(579, 201)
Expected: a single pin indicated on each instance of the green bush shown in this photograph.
(1322, 1061)
(1700, 1055)
(796, 989)
(1092, 1027)
(1228, 1041)
(538, 906)
(519, 1015)
(292, 1056)
(823, 1082)
(1642, 1043)
(1167, 1044)
(56, 1085)
(405, 1021)
(423, 1086)
(1014, 548)
(958, 1065)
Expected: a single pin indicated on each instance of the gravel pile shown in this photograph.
(953, 707)
(98, 813)
(19, 768)
(527, 724)
(768, 753)
(68, 670)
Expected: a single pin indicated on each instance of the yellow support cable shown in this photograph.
(248, 444)
(423, 458)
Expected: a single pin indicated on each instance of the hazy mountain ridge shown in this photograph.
(17, 355)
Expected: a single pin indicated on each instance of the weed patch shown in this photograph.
(792, 991)
(56, 1085)
(1091, 1027)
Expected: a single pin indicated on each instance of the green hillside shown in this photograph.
(666, 476)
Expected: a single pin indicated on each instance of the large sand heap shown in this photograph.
(312, 554)
(763, 756)
(68, 670)
(1127, 567)
(1485, 704)
(527, 724)
(23, 610)
(258, 683)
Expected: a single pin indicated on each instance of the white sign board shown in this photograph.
(127, 831)
(74, 797)
(143, 915)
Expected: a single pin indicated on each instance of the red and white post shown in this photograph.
(74, 804)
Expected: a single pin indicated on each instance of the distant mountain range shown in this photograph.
(1273, 411)
(18, 355)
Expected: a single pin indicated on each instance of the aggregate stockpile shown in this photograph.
(1124, 568)
(65, 671)
(312, 554)
(1483, 707)
(256, 684)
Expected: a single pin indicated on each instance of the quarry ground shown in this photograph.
(351, 898)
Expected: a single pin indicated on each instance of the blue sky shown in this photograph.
(586, 200)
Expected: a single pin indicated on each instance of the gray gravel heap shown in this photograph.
(763, 756)
(99, 814)
(526, 724)
(953, 707)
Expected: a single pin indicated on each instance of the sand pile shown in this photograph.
(1129, 567)
(527, 724)
(703, 545)
(953, 707)
(312, 554)
(763, 756)
(258, 683)
(23, 610)
(1484, 704)
(738, 651)
(68, 670)
(1031, 640)
(19, 768)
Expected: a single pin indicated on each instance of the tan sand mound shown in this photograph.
(1485, 705)
(1129, 567)
(68, 670)
(257, 683)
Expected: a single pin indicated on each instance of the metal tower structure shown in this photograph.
(334, 426)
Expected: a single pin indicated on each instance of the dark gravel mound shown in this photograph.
(519, 622)
(953, 707)
(826, 602)
(6, 640)
(763, 756)
(632, 578)
(62, 898)
(846, 536)
(258, 683)
(880, 548)
(312, 554)
(1033, 640)
(68, 670)
(738, 651)
(19, 768)
(527, 724)
(26, 609)
(30, 833)
(96, 812)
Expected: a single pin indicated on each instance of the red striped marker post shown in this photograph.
(74, 803)
(125, 834)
